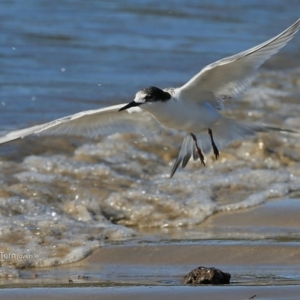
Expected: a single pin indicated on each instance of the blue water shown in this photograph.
(58, 58)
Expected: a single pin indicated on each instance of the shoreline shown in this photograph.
(188, 293)
(268, 266)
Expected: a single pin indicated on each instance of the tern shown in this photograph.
(194, 108)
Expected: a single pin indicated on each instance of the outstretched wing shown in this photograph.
(229, 77)
(92, 123)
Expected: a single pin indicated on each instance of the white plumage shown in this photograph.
(193, 108)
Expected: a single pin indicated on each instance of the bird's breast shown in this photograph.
(188, 117)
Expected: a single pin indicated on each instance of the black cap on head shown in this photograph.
(155, 94)
(148, 95)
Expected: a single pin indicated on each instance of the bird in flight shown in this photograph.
(194, 108)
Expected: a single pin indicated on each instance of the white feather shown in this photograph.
(192, 108)
(92, 123)
(230, 76)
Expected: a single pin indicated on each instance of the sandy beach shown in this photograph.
(188, 293)
(268, 268)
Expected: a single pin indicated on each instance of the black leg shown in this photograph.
(216, 150)
(198, 149)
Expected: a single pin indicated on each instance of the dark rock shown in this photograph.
(203, 275)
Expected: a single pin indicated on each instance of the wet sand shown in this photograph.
(187, 293)
(267, 266)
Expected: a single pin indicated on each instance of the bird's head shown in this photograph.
(149, 94)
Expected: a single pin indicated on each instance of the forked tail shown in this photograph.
(224, 132)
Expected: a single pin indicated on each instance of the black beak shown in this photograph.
(131, 104)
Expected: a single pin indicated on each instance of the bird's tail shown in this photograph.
(224, 132)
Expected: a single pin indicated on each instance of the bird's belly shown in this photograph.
(188, 118)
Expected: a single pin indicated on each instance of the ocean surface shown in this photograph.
(63, 197)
